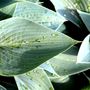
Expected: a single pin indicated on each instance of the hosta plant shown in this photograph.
(39, 46)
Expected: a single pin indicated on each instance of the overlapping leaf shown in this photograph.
(66, 9)
(61, 66)
(24, 45)
(38, 14)
(85, 18)
(36, 79)
(84, 52)
(7, 7)
(74, 10)
(65, 63)
(52, 74)
(83, 5)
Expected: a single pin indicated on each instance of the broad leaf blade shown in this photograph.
(67, 11)
(24, 45)
(4, 3)
(65, 63)
(9, 9)
(8, 6)
(82, 5)
(38, 14)
(84, 51)
(47, 67)
(85, 18)
(53, 76)
(34, 80)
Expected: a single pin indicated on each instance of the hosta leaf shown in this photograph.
(8, 6)
(47, 67)
(2, 88)
(83, 5)
(4, 3)
(36, 79)
(53, 76)
(38, 14)
(69, 13)
(60, 79)
(65, 63)
(24, 45)
(84, 51)
(8, 10)
(86, 18)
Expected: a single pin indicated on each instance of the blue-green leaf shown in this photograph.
(38, 14)
(24, 45)
(53, 76)
(65, 63)
(66, 9)
(85, 18)
(84, 51)
(82, 5)
(36, 79)
(8, 6)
